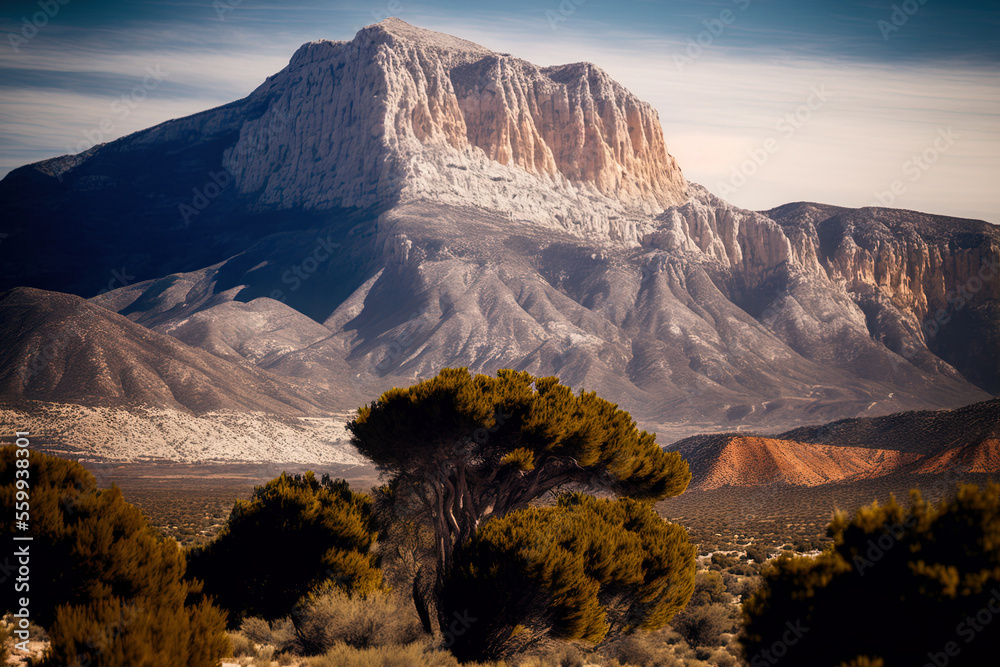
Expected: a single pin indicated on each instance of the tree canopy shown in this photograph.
(916, 586)
(468, 448)
(294, 533)
(583, 569)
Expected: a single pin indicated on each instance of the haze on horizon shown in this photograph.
(763, 103)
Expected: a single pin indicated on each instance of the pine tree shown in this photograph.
(465, 449)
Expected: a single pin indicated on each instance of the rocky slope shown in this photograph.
(59, 348)
(963, 441)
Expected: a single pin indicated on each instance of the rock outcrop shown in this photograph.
(401, 112)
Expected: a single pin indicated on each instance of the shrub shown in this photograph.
(89, 544)
(724, 560)
(242, 645)
(115, 633)
(704, 625)
(107, 588)
(583, 569)
(643, 648)
(906, 583)
(295, 532)
(329, 616)
(412, 655)
(709, 587)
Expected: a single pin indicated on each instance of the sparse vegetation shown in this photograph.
(570, 581)
(928, 573)
(106, 587)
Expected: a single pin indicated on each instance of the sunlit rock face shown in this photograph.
(404, 113)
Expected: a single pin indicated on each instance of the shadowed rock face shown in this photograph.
(385, 207)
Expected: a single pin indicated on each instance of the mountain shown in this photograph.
(966, 439)
(405, 201)
(84, 380)
(59, 348)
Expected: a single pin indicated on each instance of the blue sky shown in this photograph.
(763, 102)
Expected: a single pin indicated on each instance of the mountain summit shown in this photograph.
(406, 201)
(401, 113)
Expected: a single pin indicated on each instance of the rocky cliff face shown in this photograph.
(401, 112)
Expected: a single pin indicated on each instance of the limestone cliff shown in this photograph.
(401, 112)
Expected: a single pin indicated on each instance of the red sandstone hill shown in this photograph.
(921, 442)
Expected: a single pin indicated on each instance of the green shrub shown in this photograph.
(242, 645)
(583, 569)
(724, 560)
(709, 587)
(906, 583)
(89, 544)
(645, 648)
(294, 533)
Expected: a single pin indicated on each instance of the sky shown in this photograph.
(854, 102)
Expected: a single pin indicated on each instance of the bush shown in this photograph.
(709, 587)
(242, 645)
(906, 583)
(107, 588)
(643, 648)
(294, 533)
(329, 616)
(724, 560)
(757, 555)
(115, 633)
(412, 655)
(705, 625)
(581, 570)
(89, 544)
